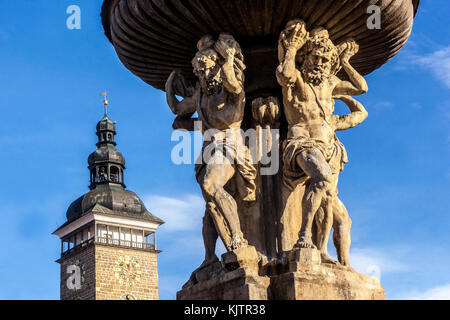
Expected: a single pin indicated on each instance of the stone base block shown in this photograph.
(235, 285)
(245, 258)
(308, 279)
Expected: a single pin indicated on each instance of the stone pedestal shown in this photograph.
(238, 280)
(309, 279)
(234, 285)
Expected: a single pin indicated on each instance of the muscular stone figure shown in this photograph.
(338, 218)
(307, 74)
(219, 100)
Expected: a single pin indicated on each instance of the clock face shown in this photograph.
(127, 271)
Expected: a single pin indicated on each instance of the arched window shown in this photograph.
(114, 174)
(102, 174)
(93, 176)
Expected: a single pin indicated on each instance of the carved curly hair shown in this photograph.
(320, 39)
(206, 48)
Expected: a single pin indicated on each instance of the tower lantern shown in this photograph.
(108, 243)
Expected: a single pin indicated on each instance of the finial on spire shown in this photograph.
(105, 102)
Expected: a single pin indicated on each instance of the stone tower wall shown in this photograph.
(111, 273)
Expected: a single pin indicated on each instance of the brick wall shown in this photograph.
(85, 260)
(112, 273)
(111, 282)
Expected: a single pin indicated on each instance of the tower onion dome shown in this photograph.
(106, 156)
(108, 194)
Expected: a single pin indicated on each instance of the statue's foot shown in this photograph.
(305, 242)
(238, 242)
(326, 258)
(346, 267)
(208, 262)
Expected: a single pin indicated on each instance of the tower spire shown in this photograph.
(106, 163)
(105, 102)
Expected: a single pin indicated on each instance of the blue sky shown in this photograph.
(396, 186)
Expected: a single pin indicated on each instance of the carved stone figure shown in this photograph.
(338, 218)
(283, 200)
(219, 100)
(312, 153)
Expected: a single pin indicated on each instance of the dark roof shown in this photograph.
(106, 124)
(113, 200)
(106, 153)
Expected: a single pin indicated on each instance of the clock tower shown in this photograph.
(108, 243)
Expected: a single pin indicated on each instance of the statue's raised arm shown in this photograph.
(357, 84)
(233, 64)
(357, 115)
(185, 107)
(291, 40)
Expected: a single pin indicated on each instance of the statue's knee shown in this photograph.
(324, 182)
(209, 188)
(344, 226)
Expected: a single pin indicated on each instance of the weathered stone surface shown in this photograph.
(154, 37)
(303, 256)
(283, 96)
(325, 282)
(309, 279)
(245, 257)
(239, 284)
(238, 279)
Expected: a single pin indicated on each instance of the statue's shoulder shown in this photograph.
(334, 80)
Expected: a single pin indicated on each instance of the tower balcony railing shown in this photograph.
(113, 242)
(125, 243)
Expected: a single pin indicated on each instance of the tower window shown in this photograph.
(114, 174)
(102, 175)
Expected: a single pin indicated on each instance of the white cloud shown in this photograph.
(375, 262)
(181, 214)
(439, 63)
(436, 293)
(382, 105)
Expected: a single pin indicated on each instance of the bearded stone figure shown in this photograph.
(313, 155)
(219, 100)
(271, 159)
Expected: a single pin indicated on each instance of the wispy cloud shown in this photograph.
(436, 293)
(375, 262)
(383, 105)
(439, 63)
(180, 214)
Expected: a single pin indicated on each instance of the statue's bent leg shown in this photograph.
(313, 163)
(210, 236)
(325, 224)
(341, 235)
(216, 177)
